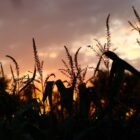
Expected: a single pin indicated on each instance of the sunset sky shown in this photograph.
(74, 23)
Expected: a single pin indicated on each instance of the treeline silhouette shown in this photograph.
(108, 109)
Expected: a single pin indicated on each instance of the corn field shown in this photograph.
(37, 108)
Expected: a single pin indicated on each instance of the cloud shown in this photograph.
(63, 20)
(56, 23)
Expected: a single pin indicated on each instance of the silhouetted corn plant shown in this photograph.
(46, 87)
(66, 96)
(84, 101)
(28, 82)
(48, 92)
(116, 76)
(3, 80)
(20, 84)
(14, 83)
(88, 95)
(74, 71)
(38, 64)
(118, 67)
(1, 71)
(72, 68)
(136, 27)
(3, 84)
(15, 78)
(100, 49)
